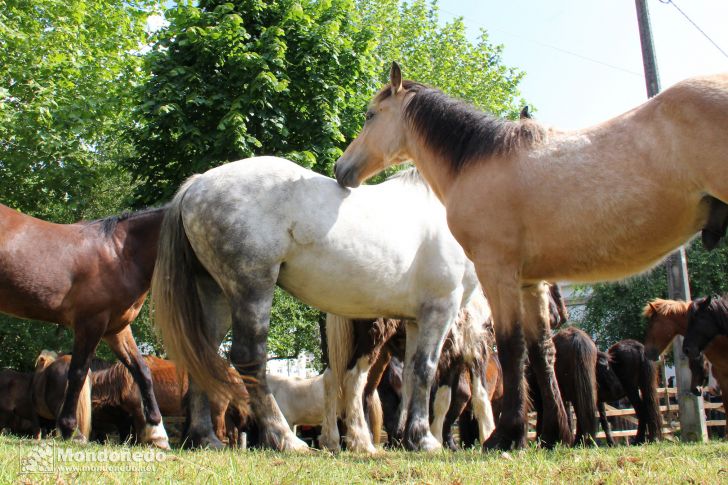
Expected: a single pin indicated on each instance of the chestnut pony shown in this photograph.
(91, 277)
(668, 318)
(638, 186)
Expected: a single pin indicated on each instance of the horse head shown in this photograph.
(703, 325)
(608, 383)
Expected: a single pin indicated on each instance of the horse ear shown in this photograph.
(395, 78)
(705, 301)
(652, 307)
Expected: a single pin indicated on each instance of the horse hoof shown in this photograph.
(429, 444)
(294, 444)
(79, 438)
(156, 436)
(502, 443)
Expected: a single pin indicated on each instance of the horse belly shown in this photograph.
(351, 290)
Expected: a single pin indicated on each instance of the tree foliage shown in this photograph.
(614, 310)
(66, 73)
(248, 77)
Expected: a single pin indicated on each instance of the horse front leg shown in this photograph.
(542, 353)
(482, 408)
(605, 423)
(125, 348)
(358, 438)
(505, 302)
(412, 333)
(434, 323)
(461, 395)
(330, 438)
(87, 336)
(248, 353)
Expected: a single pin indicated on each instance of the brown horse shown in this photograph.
(49, 387)
(639, 186)
(91, 277)
(114, 390)
(668, 318)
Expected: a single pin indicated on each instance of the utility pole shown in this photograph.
(692, 411)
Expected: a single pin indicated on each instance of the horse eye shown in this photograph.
(369, 115)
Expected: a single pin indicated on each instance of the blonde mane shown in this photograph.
(665, 308)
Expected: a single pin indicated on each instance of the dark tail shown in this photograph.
(650, 402)
(178, 312)
(585, 388)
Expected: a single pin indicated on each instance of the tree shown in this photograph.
(232, 80)
(614, 310)
(66, 73)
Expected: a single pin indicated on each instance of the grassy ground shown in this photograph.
(655, 464)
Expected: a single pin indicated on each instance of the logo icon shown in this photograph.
(39, 459)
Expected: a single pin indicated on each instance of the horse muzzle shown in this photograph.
(346, 176)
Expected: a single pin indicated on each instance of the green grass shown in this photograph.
(654, 464)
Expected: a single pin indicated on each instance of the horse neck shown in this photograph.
(140, 236)
(433, 168)
(670, 326)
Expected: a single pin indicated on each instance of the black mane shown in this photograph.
(107, 225)
(460, 132)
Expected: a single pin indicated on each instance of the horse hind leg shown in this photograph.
(505, 301)
(87, 338)
(200, 430)
(250, 303)
(125, 348)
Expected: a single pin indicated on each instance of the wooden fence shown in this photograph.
(624, 420)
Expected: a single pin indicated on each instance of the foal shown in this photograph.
(625, 371)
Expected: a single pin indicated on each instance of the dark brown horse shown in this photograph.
(625, 371)
(575, 369)
(668, 318)
(707, 319)
(16, 406)
(91, 277)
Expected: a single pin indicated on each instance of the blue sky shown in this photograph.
(582, 58)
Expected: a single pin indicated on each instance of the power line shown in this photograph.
(543, 44)
(670, 2)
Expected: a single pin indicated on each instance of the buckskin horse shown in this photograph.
(91, 277)
(639, 185)
(231, 234)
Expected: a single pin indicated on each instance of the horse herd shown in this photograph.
(496, 209)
